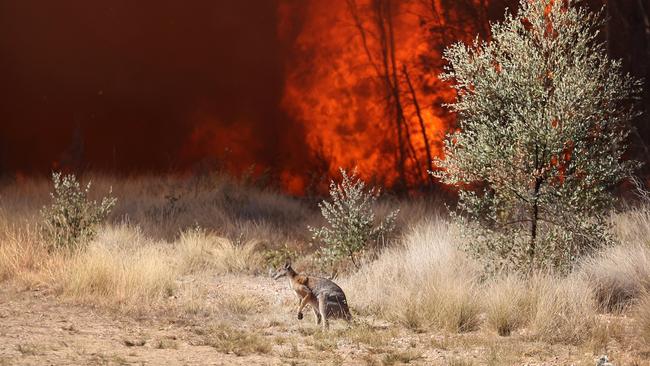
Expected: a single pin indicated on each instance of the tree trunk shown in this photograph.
(534, 217)
(423, 127)
(384, 25)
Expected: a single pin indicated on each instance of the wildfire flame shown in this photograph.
(363, 80)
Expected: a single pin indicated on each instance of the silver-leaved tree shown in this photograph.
(543, 117)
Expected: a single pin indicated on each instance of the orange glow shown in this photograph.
(292, 183)
(211, 139)
(336, 84)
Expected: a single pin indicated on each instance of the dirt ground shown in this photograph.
(38, 328)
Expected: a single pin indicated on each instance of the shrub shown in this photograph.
(543, 123)
(275, 258)
(71, 220)
(351, 221)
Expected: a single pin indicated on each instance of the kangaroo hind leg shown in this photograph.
(314, 307)
(322, 305)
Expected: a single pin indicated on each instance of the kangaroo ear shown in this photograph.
(287, 265)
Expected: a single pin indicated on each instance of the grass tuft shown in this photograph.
(425, 283)
(619, 275)
(565, 310)
(507, 304)
(201, 251)
(396, 357)
(226, 339)
(126, 274)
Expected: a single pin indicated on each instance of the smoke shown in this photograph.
(150, 85)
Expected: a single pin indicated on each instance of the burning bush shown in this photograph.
(544, 118)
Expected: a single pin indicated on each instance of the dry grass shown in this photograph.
(200, 251)
(123, 270)
(459, 361)
(606, 331)
(193, 301)
(150, 249)
(565, 310)
(20, 254)
(642, 316)
(397, 357)
(618, 275)
(633, 225)
(241, 304)
(166, 343)
(164, 206)
(128, 266)
(227, 339)
(508, 304)
(375, 337)
(427, 282)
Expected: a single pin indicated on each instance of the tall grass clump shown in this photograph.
(71, 220)
(554, 308)
(21, 253)
(200, 251)
(351, 224)
(508, 303)
(130, 275)
(425, 282)
(619, 275)
(564, 310)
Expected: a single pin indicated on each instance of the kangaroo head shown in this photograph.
(285, 270)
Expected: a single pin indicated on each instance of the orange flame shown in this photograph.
(348, 96)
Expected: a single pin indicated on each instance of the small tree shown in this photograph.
(544, 116)
(71, 220)
(351, 221)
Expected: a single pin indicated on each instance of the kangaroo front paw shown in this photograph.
(299, 316)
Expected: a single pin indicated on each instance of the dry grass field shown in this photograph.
(179, 275)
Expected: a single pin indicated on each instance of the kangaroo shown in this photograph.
(326, 298)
